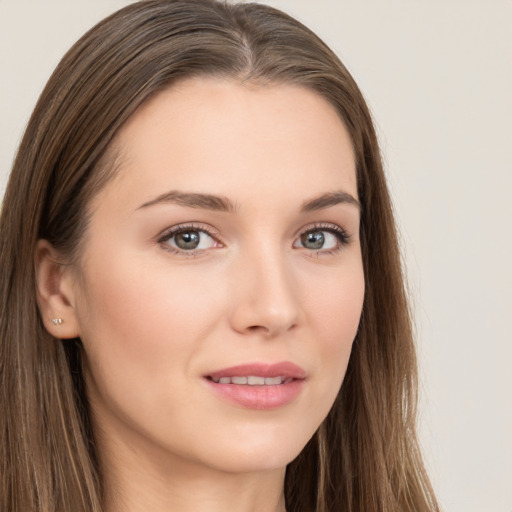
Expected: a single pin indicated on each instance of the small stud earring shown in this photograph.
(57, 321)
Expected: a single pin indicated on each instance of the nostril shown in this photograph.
(270, 330)
(257, 328)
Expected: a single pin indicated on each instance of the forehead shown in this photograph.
(217, 136)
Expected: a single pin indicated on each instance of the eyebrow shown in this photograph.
(223, 204)
(194, 200)
(329, 199)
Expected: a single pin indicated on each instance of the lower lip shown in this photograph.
(259, 397)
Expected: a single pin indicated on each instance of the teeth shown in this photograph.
(272, 381)
(252, 380)
(256, 381)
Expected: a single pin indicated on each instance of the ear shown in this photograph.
(55, 292)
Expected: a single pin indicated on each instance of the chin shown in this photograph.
(255, 462)
(258, 453)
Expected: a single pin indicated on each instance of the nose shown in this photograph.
(265, 299)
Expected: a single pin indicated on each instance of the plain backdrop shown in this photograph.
(438, 78)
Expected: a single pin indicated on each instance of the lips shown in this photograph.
(258, 385)
(284, 369)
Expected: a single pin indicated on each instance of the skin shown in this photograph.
(154, 321)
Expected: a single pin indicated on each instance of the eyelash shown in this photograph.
(342, 236)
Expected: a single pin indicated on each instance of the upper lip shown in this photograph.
(283, 369)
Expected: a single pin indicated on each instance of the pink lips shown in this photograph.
(259, 396)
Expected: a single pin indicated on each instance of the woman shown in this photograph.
(202, 300)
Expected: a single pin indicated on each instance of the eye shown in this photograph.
(322, 239)
(187, 239)
(319, 239)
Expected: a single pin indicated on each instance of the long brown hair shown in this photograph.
(364, 457)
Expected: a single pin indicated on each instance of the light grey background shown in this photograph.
(438, 78)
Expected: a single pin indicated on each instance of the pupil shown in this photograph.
(187, 239)
(313, 240)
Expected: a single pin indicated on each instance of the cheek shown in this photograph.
(336, 306)
(149, 319)
(335, 315)
(141, 336)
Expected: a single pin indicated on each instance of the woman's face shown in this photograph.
(221, 283)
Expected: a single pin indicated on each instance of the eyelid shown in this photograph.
(323, 226)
